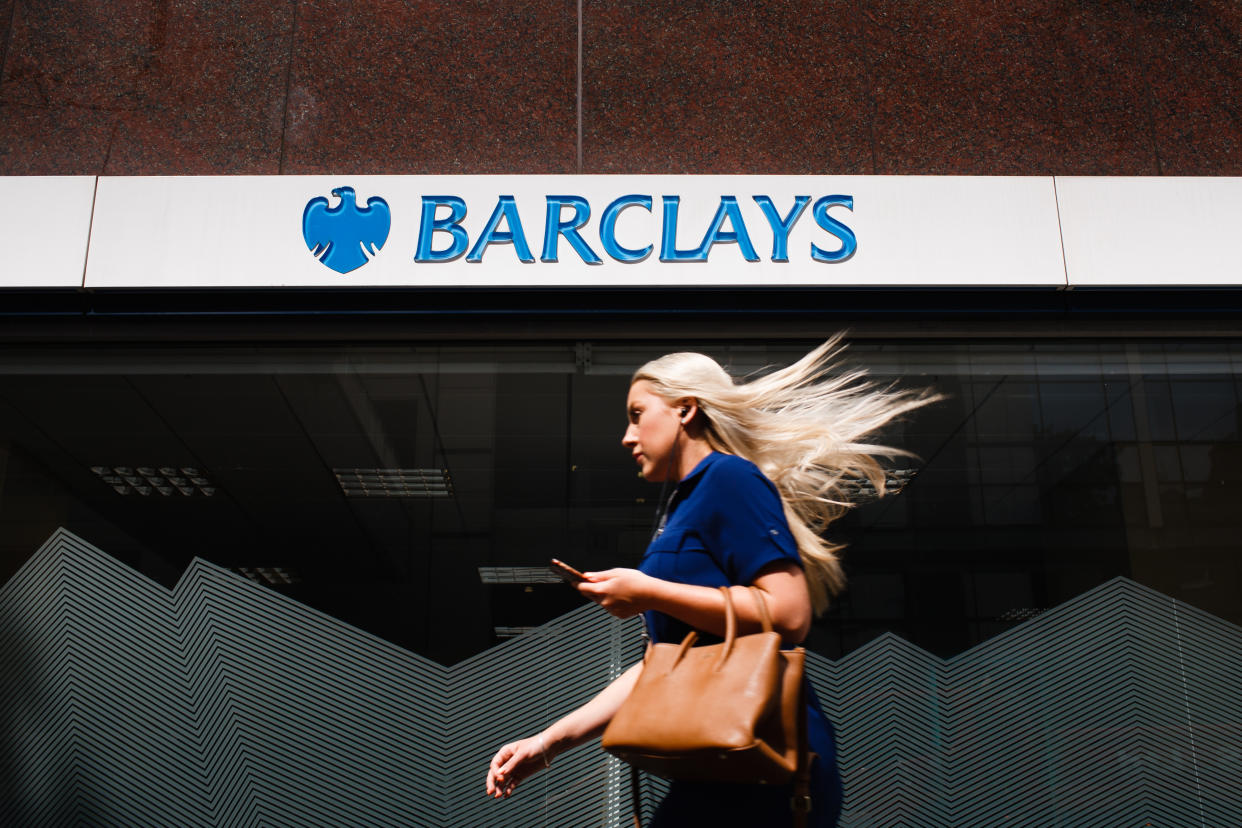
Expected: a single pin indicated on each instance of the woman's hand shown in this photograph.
(622, 592)
(518, 760)
(513, 763)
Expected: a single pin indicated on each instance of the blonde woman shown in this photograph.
(757, 469)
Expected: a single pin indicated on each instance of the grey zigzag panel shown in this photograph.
(222, 702)
(1119, 708)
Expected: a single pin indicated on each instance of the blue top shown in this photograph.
(724, 524)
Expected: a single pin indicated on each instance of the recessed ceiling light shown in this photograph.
(269, 575)
(148, 480)
(860, 489)
(512, 632)
(394, 482)
(1020, 614)
(518, 575)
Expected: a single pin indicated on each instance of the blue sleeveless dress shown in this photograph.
(725, 523)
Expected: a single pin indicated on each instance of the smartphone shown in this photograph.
(566, 571)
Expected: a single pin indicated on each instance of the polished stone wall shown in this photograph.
(1070, 87)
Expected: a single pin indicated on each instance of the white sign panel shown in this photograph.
(1178, 232)
(45, 222)
(574, 231)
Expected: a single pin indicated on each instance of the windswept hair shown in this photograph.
(807, 427)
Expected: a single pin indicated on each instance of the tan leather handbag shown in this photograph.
(730, 712)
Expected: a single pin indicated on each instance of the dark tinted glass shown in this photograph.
(399, 487)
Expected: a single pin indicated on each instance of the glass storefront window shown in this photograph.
(1051, 467)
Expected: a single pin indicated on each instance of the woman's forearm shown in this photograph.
(703, 608)
(627, 592)
(518, 760)
(589, 720)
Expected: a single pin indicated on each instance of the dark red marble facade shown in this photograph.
(980, 87)
(704, 86)
(695, 86)
(472, 86)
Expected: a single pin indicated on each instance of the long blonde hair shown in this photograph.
(806, 427)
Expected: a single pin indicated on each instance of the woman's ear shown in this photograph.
(687, 407)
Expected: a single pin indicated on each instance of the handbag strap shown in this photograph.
(800, 802)
(762, 605)
(730, 627)
(635, 796)
(731, 622)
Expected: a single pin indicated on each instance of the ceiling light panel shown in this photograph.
(860, 489)
(518, 575)
(166, 481)
(270, 575)
(512, 632)
(1021, 613)
(394, 482)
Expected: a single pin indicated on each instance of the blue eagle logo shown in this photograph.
(345, 237)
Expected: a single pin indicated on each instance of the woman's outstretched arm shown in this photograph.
(627, 592)
(518, 760)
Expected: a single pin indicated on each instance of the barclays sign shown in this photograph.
(345, 236)
(572, 231)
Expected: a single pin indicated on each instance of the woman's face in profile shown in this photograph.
(652, 431)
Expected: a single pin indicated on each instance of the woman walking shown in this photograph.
(756, 470)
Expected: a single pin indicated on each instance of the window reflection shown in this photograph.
(1051, 467)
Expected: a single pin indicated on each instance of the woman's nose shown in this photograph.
(629, 438)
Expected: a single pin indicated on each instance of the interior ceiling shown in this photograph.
(269, 435)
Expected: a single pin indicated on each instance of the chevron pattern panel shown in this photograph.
(1122, 707)
(222, 702)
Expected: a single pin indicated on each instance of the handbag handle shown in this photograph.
(730, 626)
(762, 604)
(686, 644)
(731, 620)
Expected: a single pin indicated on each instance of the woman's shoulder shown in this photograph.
(736, 472)
(723, 463)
